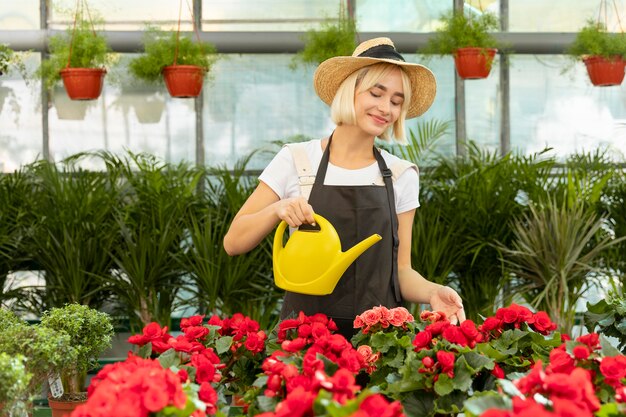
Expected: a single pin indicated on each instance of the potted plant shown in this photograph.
(46, 351)
(11, 60)
(14, 379)
(469, 40)
(79, 57)
(335, 37)
(603, 52)
(90, 333)
(181, 62)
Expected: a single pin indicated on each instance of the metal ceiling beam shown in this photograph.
(289, 42)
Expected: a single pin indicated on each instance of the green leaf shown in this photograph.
(481, 402)
(607, 348)
(419, 404)
(223, 344)
(444, 385)
(609, 410)
(169, 358)
(267, 403)
(145, 351)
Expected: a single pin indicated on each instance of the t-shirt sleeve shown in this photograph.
(279, 172)
(407, 191)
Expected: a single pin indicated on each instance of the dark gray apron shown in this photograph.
(356, 212)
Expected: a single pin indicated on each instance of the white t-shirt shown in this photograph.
(281, 176)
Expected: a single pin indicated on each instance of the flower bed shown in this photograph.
(511, 364)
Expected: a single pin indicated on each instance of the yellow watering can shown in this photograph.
(312, 261)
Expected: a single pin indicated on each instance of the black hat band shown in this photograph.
(382, 52)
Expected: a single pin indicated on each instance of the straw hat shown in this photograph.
(332, 72)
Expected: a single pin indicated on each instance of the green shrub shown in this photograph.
(594, 40)
(461, 31)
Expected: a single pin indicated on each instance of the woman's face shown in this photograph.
(379, 107)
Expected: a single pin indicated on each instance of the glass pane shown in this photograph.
(19, 15)
(402, 16)
(128, 115)
(124, 14)
(482, 109)
(563, 15)
(268, 15)
(563, 111)
(256, 99)
(20, 119)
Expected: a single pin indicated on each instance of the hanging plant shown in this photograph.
(182, 63)
(79, 58)
(469, 40)
(335, 37)
(603, 52)
(11, 60)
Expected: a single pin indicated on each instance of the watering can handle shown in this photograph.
(278, 237)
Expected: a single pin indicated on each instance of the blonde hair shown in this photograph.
(342, 107)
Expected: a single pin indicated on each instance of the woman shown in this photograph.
(358, 188)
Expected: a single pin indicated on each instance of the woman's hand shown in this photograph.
(447, 300)
(295, 211)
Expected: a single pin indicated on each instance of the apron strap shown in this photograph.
(387, 179)
(306, 176)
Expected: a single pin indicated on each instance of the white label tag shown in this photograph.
(56, 386)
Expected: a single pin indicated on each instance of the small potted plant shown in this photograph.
(603, 52)
(335, 37)
(181, 62)
(45, 351)
(468, 38)
(90, 332)
(11, 60)
(14, 379)
(79, 58)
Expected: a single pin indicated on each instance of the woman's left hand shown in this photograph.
(447, 300)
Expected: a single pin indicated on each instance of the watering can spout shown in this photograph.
(346, 258)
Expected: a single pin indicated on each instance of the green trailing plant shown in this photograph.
(89, 331)
(73, 232)
(89, 49)
(160, 51)
(556, 249)
(593, 39)
(14, 379)
(335, 37)
(459, 30)
(608, 317)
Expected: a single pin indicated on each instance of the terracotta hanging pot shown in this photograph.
(474, 63)
(83, 83)
(183, 81)
(605, 72)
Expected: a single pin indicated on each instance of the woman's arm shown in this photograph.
(260, 214)
(413, 286)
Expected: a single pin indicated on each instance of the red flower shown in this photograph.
(422, 340)
(209, 396)
(592, 340)
(581, 352)
(560, 362)
(377, 406)
(542, 323)
(192, 321)
(491, 323)
(614, 369)
(255, 341)
(446, 360)
(399, 316)
(498, 372)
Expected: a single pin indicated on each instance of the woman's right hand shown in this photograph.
(295, 211)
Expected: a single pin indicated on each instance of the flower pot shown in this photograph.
(67, 109)
(149, 110)
(62, 408)
(183, 81)
(83, 83)
(474, 63)
(605, 72)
